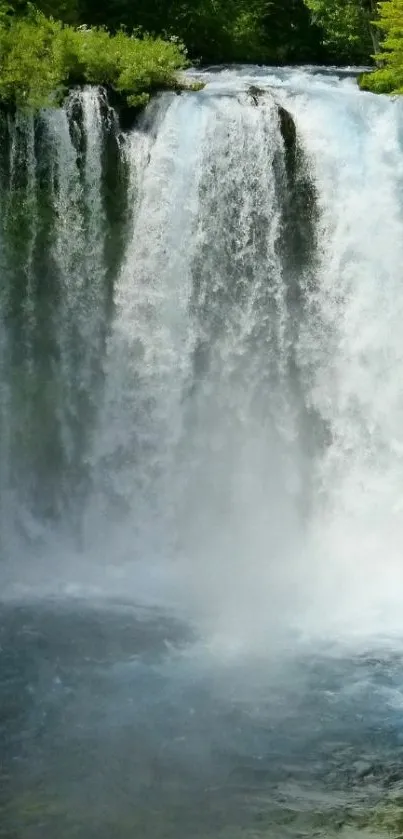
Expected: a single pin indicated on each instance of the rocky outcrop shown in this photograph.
(256, 94)
(287, 124)
(288, 130)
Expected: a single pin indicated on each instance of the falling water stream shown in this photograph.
(201, 463)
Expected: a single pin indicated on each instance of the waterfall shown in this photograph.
(200, 348)
(56, 303)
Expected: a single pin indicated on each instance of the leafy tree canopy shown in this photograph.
(346, 25)
(389, 77)
(213, 30)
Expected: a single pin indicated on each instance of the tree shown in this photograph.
(218, 30)
(64, 10)
(389, 77)
(291, 33)
(347, 26)
(221, 30)
(213, 30)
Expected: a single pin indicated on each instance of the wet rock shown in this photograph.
(256, 93)
(288, 129)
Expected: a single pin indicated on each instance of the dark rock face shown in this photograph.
(256, 93)
(287, 124)
(298, 248)
(288, 130)
(300, 200)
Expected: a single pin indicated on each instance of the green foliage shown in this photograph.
(346, 25)
(292, 33)
(5, 9)
(64, 42)
(212, 29)
(68, 11)
(218, 30)
(271, 31)
(389, 77)
(229, 30)
(130, 65)
(40, 57)
(32, 63)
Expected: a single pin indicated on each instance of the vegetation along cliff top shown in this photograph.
(137, 46)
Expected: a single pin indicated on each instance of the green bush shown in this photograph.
(32, 62)
(41, 57)
(389, 77)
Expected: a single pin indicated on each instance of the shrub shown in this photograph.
(41, 57)
(32, 65)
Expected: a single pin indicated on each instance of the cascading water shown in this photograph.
(200, 409)
(57, 274)
(213, 381)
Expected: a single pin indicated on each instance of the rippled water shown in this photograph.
(118, 722)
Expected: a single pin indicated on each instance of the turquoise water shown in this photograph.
(117, 722)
